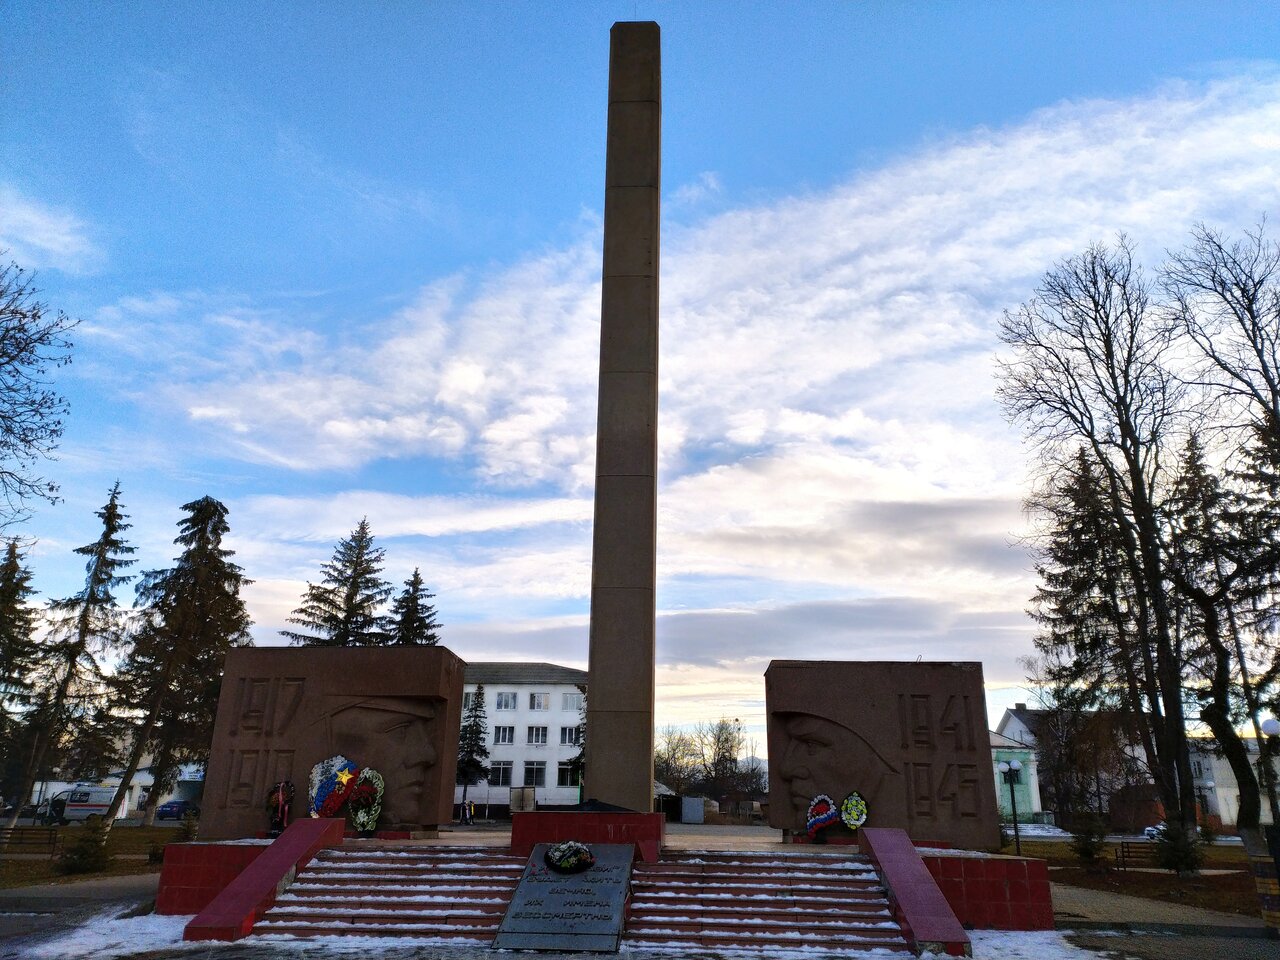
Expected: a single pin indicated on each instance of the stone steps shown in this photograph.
(760, 902)
(444, 893)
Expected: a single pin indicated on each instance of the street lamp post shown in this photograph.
(1012, 773)
(1266, 750)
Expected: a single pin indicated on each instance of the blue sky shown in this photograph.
(337, 260)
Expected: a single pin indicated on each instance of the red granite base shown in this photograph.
(919, 907)
(995, 892)
(645, 830)
(234, 910)
(194, 873)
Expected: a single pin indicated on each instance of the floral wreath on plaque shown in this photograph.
(569, 856)
(338, 781)
(279, 802)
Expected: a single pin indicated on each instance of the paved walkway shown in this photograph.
(1133, 928)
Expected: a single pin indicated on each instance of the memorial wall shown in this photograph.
(395, 710)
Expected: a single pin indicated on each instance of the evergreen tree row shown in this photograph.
(86, 686)
(345, 609)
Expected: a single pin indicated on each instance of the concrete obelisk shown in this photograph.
(620, 669)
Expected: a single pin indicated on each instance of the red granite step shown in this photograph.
(761, 902)
(398, 892)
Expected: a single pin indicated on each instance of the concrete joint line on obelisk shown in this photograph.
(620, 670)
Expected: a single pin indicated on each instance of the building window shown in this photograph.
(567, 776)
(503, 735)
(505, 701)
(539, 701)
(571, 701)
(467, 700)
(535, 773)
(1197, 769)
(570, 736)
(538, 736)
(500, 773)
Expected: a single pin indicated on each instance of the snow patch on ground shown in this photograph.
(102, 938)
(1026, 945)
(1040, 830)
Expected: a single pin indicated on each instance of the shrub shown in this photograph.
(88, 852)
(190, 830)
(1208, 832)
(1089, 840)
(1178, 851)
(155, 853)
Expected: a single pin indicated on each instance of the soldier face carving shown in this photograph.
(822, 756)
(392, 735)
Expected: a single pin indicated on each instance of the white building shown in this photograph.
(534, 717)
(1217, 791)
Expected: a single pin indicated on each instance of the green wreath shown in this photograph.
(853, 811)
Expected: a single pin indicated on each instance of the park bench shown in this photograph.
(1132, 853)
(29, 840)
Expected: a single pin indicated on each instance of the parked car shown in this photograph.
(1156, 832)
(176, 810)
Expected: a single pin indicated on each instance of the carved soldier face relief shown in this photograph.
(393, 735)
(822, 756)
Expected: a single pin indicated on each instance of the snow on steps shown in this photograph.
(761, 901)
(452, 893)
(751, 901)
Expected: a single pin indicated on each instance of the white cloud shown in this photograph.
(36, 235)
(706, 186)
(395, 515)
(835, 472)
(852, 306)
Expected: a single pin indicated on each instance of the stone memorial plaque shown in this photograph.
(910, 738)
(569, 911)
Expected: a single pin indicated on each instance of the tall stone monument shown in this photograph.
(621, 660)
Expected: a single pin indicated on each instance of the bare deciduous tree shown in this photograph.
(1090, 366)
(32, 343)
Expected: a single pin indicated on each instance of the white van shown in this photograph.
(79, 803)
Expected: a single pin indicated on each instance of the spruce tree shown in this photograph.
(86, 626)
(17, 656)
(342, 611)
(413, 620)
(473, 749)
(17, 622)
(194, 614)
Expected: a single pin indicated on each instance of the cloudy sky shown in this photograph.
(342, 260)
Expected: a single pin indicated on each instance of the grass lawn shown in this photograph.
(25, 873)
(1230, 893)
(122, 843)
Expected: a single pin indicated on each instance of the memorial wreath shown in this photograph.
(853, 811)
(822, 814)
(569, 856)
(338, 781)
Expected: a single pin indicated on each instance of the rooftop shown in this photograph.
(498, 672)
